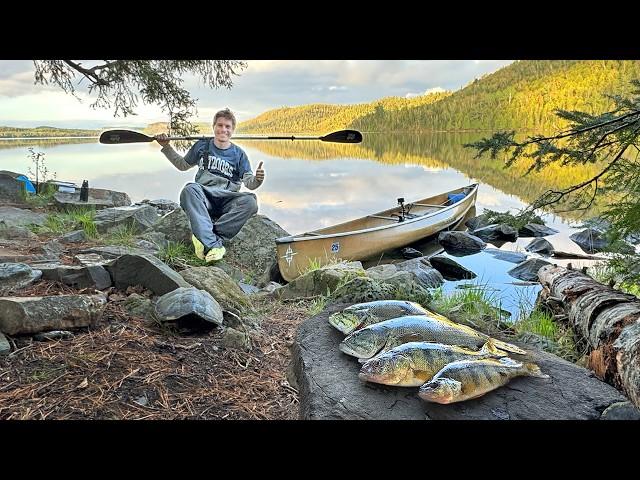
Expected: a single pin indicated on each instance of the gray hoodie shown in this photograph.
(225, 169)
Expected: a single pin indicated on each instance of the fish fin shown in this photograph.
(507, 347)
(534, 370)
(489, 348)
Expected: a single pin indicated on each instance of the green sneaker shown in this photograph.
(198, 246)
(215, 254)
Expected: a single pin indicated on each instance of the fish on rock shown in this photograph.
(414, 363)
(379, 337)
(363, 314)
(466, 379)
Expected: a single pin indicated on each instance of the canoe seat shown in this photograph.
(384, 218)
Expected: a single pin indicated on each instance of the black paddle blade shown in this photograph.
(112, 137)
(343, 136)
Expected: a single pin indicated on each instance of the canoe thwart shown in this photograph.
(428, 205)
(395, 219)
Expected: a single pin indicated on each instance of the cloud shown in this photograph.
(426, 92)
(262, 86)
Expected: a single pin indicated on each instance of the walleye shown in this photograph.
(414, 363)
(468, 379)
(383, 336)
(364, 314)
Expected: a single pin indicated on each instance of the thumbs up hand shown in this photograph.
(260, 172)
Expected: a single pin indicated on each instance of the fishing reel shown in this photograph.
(402, 215)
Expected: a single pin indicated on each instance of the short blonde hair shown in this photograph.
(226, 113)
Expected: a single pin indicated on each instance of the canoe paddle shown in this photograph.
(113, 137)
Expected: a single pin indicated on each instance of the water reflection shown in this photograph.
(310, 185)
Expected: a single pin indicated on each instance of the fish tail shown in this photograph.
(489, 348)
(534, 371)
(346, 323)
(507, 347)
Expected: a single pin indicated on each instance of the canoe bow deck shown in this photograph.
(369, 236)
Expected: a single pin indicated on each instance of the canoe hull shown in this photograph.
(296, 255)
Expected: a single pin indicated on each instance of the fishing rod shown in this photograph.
(114, 137)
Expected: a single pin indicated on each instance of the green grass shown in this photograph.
(317, 264)
(540, 323)
(68, 221)
(41, 199)
(317, 305)
(124, 235)
(179, 255)
(477, 306)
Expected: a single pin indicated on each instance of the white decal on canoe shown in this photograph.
(335, 247)
(288, 255)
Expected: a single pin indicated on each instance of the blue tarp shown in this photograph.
(455, 197)
(27, 183)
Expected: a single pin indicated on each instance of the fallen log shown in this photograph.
(607, 320)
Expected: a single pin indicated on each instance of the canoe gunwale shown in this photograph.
(301, 238)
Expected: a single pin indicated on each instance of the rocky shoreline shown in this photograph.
(63, 289)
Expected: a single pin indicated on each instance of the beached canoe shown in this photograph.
(369, 236)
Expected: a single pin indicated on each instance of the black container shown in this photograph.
(84, 191)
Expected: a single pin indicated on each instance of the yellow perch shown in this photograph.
(364, 314)
(369, 341)
(466, 379)
(414, 363)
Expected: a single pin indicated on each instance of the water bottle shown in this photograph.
(84, 191)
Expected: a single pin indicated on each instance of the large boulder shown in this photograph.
(450, 269)
(22, 315)
(461, 242)
(189, 305)
(11, 189)
(147, 271)
(220, 285)
(254, 247)
(174, 226)
(78, 276)
(14, 276)
(536, 230)
(115, 251)
(540, 245)
(590, 240)
(528, 270)
(424, 273)
(19, 217)
(138, 218)
(364, 289)
(478, 222)
(321, 281)
(329, 387)
(497, 231)
(415, 275)
(98, 199)
(162, 204)
(16, 233)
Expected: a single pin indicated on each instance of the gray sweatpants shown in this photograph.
(216, 215)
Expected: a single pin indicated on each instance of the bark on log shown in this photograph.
(607, 319)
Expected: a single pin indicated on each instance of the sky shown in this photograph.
(262, 86)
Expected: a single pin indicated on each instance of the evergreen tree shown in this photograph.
(610, 139)
(119, 83)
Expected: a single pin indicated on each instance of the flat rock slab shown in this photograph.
(329, 387)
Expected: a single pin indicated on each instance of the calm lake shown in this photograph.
(311, 184)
